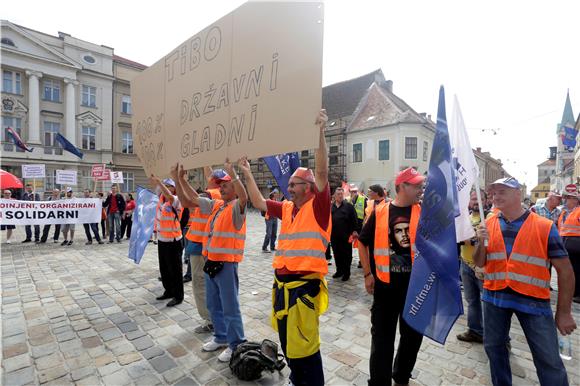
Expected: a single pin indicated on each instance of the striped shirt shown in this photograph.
(508, 298)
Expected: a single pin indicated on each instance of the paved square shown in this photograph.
(88, 315)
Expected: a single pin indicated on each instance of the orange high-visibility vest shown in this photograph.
(382, 249)
(227, 243)
(570, 227)
(527, 269)
(302, 242)
(197, 220)
(169, 226)
(370, 207)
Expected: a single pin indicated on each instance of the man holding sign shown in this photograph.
(300, 263)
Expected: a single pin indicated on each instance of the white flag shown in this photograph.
(467, 171)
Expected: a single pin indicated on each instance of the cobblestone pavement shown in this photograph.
(88, 315)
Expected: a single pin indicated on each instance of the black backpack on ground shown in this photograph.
(249, 359)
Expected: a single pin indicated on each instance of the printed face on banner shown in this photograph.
(117, 177)
(249, 84)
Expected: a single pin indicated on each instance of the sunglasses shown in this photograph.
(293, 184)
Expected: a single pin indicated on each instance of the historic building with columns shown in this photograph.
(61, 84)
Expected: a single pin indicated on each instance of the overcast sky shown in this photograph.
(509, 62)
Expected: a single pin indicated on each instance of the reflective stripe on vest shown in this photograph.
(302, 242)
(169, 226)
(526, 270)
(571, 226)
(382, 252)
(197, 220)
(222, 241)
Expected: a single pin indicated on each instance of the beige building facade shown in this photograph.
(61, 84)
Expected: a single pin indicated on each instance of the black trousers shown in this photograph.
(28, 229)
(388, 304)
(572, 245)
(95, 228)
(342, 251)
(126, 225)
(171, 268)
(104, 228)
(46, 229)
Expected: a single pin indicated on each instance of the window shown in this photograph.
(14, 123)
(52, 90)
(126, 105)
(89, 138)
(304, 163)
(11, 82)
(50, 182)
(333, 149)
(333, 160)
(425, 148)
(50, 131)
(89, 59)
(305, 153)
(384, 150)
(89, 96)
(411, 147)
(8, 42)
(128, 182)
(357, 152)
(127, 146)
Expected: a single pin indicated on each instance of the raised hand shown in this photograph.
(321, 119)
(229, 168)
(244, 164)
(174, 170)
(182, 172)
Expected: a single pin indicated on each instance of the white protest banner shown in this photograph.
(249, 84)
(117, 177)
(97, 170)
(72, 211)
(33, 171)
(66, 177)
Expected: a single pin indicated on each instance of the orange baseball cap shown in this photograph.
(305, 174)
(410, 176)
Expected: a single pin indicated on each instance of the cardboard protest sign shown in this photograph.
(249, 84)
(33, 171)
(66, 177)
(105, 176)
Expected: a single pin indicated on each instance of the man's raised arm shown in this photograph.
(321, 155)
(256, 197)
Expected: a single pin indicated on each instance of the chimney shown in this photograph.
(389, 85)
(478, 149)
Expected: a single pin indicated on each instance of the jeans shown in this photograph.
(271, 233)
(114, 220)
(95, 228)
(472, 288)
(46, 229)
(28, 229)
(224, 307)
(540, 332)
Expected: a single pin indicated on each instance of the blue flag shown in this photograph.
(66, 145)
(569, 137)
(433, 301)
(282, 166)
(143, 221)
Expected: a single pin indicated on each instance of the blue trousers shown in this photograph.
(472, 288)
(224, 307)
(540, 332)
(271, 233)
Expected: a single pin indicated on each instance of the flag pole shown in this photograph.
(478, 193)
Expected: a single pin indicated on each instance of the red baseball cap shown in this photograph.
(220, 175)
(305, 174)
(410, 176)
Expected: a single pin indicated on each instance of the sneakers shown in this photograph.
(64, 243)
(470, 336)
(204, 329)
(225, 355)
(70, 242)
(8, 241)
(212, 345)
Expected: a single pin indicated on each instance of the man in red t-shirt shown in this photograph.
(300, 262)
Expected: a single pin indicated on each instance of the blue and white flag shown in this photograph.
(569, 137)
(143, 222)
(466, 172)
(282, 166)
(433, 301)
(66, 145)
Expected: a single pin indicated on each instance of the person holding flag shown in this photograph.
(386, 250)
(300, 263)
(520, 247)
